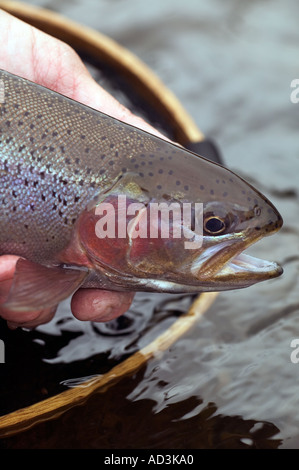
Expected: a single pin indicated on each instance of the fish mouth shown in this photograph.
(244, 270)
(226, 266)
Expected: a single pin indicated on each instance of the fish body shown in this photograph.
(69, 174)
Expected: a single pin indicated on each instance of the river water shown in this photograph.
(230, 382)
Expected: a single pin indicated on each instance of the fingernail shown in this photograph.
(12, 326)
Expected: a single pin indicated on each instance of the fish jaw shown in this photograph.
(245, 270)
(228, 267)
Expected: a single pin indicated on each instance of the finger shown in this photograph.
(7, 268)
(15, 319)
(33, 320)
(100, 305)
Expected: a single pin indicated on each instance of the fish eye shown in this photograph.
(214, 225)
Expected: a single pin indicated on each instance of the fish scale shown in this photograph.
(59, 160)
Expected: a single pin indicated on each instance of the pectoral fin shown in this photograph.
(36, 286)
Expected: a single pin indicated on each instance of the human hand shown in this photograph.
(32, 54)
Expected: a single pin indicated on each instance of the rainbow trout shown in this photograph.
(85, 199)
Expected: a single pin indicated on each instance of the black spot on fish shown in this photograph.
(26, 113)
(39, 116)
(160, 171)
(178, 183)
(82, 136)
(111, 146)
(159, 186)
(201, 187)
(32, 139)
(170, 172)
(54, 133)
(32, 207)
(186, 188)
(111, 162)
(8, 123)
(76, 198)
(102, 171)
(51, 149)
(20, 123)
(69, 131)
(151, 174)
(103, 138)
(8, 140)
(67, 161)
(43, 197)
(87, 149)
(141, 174)
(16, 106)
(26, 182)
(77, 161)
(31, 126)
(62, 148)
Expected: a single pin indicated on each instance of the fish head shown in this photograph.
(180, 241)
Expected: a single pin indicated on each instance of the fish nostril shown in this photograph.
(257, 211)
